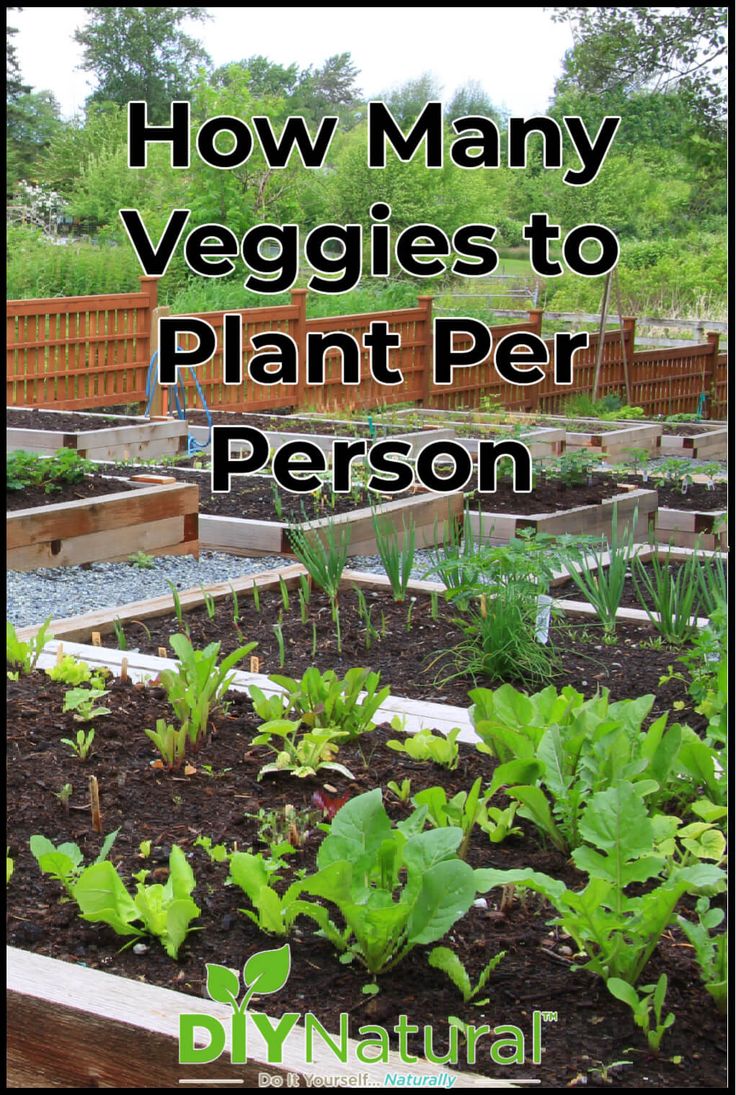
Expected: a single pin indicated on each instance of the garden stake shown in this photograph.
(124, 669)
(94, 804)
(162, 652)
(59, 653)
(255, 664)
(96, 638)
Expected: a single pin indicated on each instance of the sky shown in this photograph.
(515, 54)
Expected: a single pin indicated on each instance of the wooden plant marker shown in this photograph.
(162, 652)
(59, 653)
(96, 638)
(255, 664)
(94, 804)
(124, 669)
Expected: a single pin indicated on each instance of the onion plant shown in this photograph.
(672, 589)
(397, 556)
(602, 581)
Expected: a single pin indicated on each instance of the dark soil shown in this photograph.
(404, 656)
(67, 423)
(687, 429)
(253, 497)
(92, 486)
(349, 428)
(592, 1029)
(699, 496)
(548, 496)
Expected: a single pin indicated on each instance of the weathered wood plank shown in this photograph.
(110, 1031)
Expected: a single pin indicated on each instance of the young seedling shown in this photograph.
(82, 744)
(442, 958)
(643, 1002)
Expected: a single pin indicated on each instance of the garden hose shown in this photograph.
(180, 401)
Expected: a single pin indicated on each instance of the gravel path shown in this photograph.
(59, 592)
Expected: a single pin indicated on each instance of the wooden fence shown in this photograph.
(86, 352)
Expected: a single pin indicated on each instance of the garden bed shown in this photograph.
(97, 437)
(554, 511)
(114, 1019)
(416, 633)
(126, 518)
(253, 517)
(322, 433)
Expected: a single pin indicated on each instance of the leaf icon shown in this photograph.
(268, 971)
(223, 984)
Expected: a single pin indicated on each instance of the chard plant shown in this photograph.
(394, 888)
(65, 863)
(170, 742)
(196, 688)
(442, 958)
(163, 911)
(615, 931)
(326, 701)
(22, 657)
(438, 748)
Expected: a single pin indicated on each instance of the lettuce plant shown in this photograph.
(302, 754)
(394, 887)
(164, 911)
(272, 912)
(440, 748)
(65, 863)
(462, 810)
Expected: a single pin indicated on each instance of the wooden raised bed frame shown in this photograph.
(688, 528)
(595, 520)
(417, 438)
(160, 519)
(143, 441)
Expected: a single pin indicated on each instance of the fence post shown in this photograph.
(425, 302)
(535, 320)
(160, 401)
(712, 371)
(299, 301)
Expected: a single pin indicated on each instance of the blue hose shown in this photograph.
(180, 401)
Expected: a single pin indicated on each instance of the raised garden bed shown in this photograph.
(158, 519)
(321, 432)
(109, 1019)
(253, 517)
(691, 519)
(97, 437)
(551, 508)
(406, 655)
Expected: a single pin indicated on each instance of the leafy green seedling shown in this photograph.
(66, 862)
(442, 958)
(82, 744)
(439, 748)
(23, 656)
(165, 912)
(402, 790)
(81, 701)
(647, 1000)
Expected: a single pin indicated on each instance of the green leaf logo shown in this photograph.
(223, 984)
(268, 971)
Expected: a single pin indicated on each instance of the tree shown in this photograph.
(407, 101)
(629, 49)
(472, 99)
(141, 53)
(328, 89)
